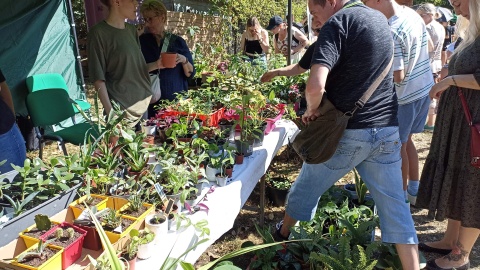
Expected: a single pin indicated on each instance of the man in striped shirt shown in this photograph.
(413, 81)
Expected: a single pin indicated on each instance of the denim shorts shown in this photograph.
(412, 117)
(375, 152)
(13, 149)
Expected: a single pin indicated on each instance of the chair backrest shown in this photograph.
(49, 107)
(46, 81)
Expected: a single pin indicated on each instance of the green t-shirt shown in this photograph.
(114, 56)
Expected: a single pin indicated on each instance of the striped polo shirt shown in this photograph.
(411, 55)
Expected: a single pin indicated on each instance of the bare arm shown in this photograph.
(302, 40)
(103, 95)
(276, 47)
(463, 81)
(264, 43)
(186, 65)
(6, 96)
(398, 76)
(314, 91)
(291, 70)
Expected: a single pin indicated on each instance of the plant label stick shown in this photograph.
(169, 207)
(160, 192)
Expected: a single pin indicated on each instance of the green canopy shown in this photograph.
(37, 37)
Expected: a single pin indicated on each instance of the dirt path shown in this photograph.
(244, 229)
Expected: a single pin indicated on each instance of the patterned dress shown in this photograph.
(450, 186)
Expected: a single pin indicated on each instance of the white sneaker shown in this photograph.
(412, 199)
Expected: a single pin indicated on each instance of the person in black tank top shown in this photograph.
(254, 42)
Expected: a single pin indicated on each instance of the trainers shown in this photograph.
(428, 128)
(277, 236)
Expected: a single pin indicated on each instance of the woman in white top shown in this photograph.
(255, 44)
(299, 41)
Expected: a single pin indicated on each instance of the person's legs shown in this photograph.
(432, 115)
(13, 149)
(382, 173)
(420, 111)
(315, 179)
(460, 253)
(406, 114)
(450, 238)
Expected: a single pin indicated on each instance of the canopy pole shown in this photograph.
(289, 19)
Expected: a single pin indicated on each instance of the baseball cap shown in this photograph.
(274, 21)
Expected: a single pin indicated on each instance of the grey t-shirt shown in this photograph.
(356, 45)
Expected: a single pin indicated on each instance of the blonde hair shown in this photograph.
(429, 8)
(155, 6)
(253, 21)
(469, 30)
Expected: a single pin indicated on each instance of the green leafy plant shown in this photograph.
(38, 252)
(19, 206)
(360, 187)
(135, 203)
(343, 258)
(112, 219)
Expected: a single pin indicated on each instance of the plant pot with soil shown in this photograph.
(144, 239)
(221, 179)
(40, 256)
(117, 226)
(136, 208)
(32, 234)
(277, 190)
(158, 224)
(99, 201)
(239, 158)
(70, 238)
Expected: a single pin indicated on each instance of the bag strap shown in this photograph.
(361, 102)
(465, 106)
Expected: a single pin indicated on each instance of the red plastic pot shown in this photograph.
(92, 238)
(72, 252)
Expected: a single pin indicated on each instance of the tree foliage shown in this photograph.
(237, 12)
(438, 3)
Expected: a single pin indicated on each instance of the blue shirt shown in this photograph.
(172, 80)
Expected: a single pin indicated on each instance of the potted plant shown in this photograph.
(277, 189)
(68, 237)
(135, 155)
(40, 256)
(169, 59)
(190, 195)
(32, 234)
(157, 223)
(99, 201)
(38, 188)
(144, 239)
(117, 226)
(129, 253)
(136, 208)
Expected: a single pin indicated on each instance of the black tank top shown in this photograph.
(253, 47)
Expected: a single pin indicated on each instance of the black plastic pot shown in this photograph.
(259, 135)
(244, 147)
(278, 197)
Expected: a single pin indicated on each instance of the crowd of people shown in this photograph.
(428, 61)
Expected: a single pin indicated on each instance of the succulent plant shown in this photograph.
(58, 233)
(70, 232)
(42, 222)
(135, 203)
(112, 219)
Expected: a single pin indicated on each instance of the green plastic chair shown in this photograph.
(50, 107)
(44, 81)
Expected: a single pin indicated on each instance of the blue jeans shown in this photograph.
(12, 149)
(375, 152)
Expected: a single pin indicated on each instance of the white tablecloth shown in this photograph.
(224, 203)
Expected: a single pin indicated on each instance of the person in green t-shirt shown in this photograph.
(116, 64)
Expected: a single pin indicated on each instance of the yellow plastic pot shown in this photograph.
(150, 209)
(30, 241)
(114, 237)
(77, 205)
(54, 263)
